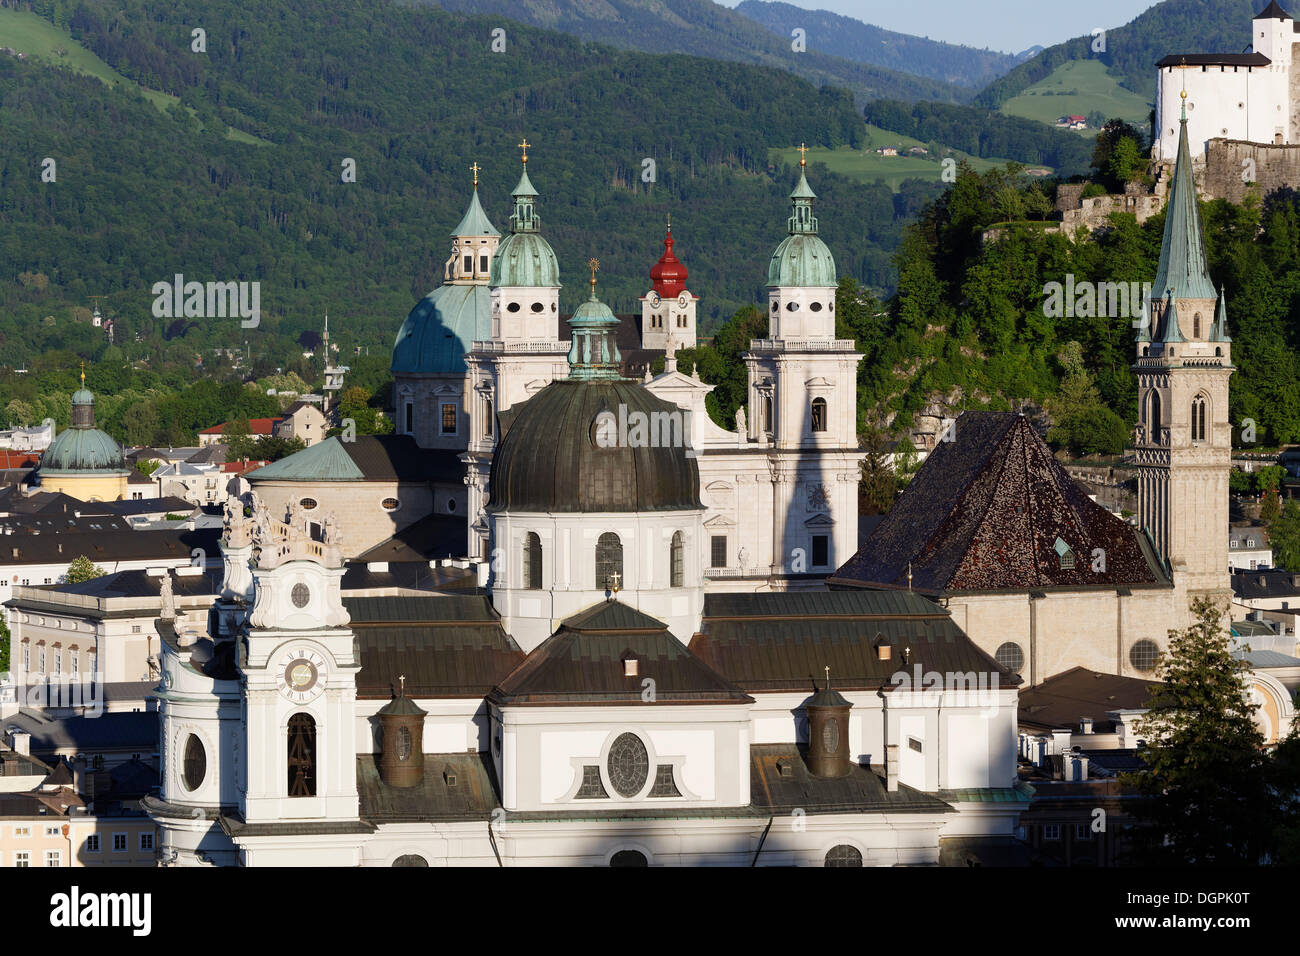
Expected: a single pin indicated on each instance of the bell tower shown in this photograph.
(1184, 439)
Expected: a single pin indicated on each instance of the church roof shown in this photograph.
(985, 513)
(442, 327)
(1061, 700)
(475, 222)
(783, 641)
(583, 663)
(368, 458)
(1183, 269)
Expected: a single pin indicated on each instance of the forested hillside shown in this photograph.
(413, 96)
(705, 28)
(1174, 26)
(866, 43)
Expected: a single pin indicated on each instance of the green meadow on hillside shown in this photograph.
(1078, 87)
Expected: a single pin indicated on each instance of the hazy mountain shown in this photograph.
(864, 43)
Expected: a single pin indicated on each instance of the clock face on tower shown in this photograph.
(301, 675)
(683, 300)
(654, 300)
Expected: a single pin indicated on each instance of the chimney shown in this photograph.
(891, 768)
(1085, 725)
(1060, 741)
(21, 741)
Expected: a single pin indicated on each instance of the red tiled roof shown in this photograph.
(18, 459)
(256, 426)
(239, 467)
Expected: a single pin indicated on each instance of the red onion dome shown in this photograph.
(669, 274)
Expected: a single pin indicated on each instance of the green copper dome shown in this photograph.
(593, 354)
(83, 448)
(524, 258)
(441, 328)
(802, 259)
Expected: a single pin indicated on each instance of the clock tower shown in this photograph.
(299, 671)
(668, 309)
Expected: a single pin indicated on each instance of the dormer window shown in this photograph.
(1064, 555)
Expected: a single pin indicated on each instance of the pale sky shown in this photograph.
(1008, 25)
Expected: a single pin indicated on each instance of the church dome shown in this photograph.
(524, 258)
(668, 273)
(441, 328)
(594, 442)
(552, 456)
(83, 448)
(802, 259)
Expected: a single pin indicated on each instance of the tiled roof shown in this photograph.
(472, 797)
(368, 458)
(109, 545)
(256, 426)
(986, 512)
(115, 730)
(1270, 583)
(582, 663)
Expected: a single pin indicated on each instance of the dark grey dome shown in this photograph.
(549, 457)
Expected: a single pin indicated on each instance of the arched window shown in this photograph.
(677, 561)
(302, 756)
(609, 561)
(819, 415)
(532, 561)
(844, 855)
(1196, 326)
(767, 413)
(1153, 417)
(1198, 418)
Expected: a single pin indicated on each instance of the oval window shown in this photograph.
(792, 307)
(195, 766)
(537, 307)
(553, 307)
(816, 306)
(831, 736)
(628, 765)
(513, 307)
(389, 504)
(451, 506)
(308, 504)
(775, 307)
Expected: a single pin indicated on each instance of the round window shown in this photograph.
(451, 506)
(537, 307)
(792, 307)
(513, 307)
(308, 504)
(775, 306)
(389, 504)
(1143, 656)
(1010, 656)
(816, 306)
(629, 765)
(195, 766)
(300, 595)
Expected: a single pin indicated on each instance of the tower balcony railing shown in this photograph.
(801, 345)
(493, 347)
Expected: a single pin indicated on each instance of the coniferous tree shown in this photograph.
(1208, 799)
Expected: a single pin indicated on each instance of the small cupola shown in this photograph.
(828, 732)
(401, 760)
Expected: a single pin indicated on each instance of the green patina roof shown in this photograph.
(1183, 266)
(324, 461)
(475, 221)
(83, 396)
(525, 259)
(801, 259)
(593, 354)
(80, 450)
(441, 328)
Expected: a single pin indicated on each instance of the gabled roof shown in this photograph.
(583, 663)
(256, 426)
(368, 458)
(984, 514)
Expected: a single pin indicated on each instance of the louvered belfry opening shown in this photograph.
(302, 756)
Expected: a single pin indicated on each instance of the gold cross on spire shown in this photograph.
(803, 155)
(524, 146)
(670, 222)
(83, 374)
(828, 676)
(594, 265)
(475, 168)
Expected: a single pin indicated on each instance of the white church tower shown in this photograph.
(523, 353)
(1184, 437)
(803, 402)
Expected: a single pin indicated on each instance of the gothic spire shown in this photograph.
(1183, 269)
